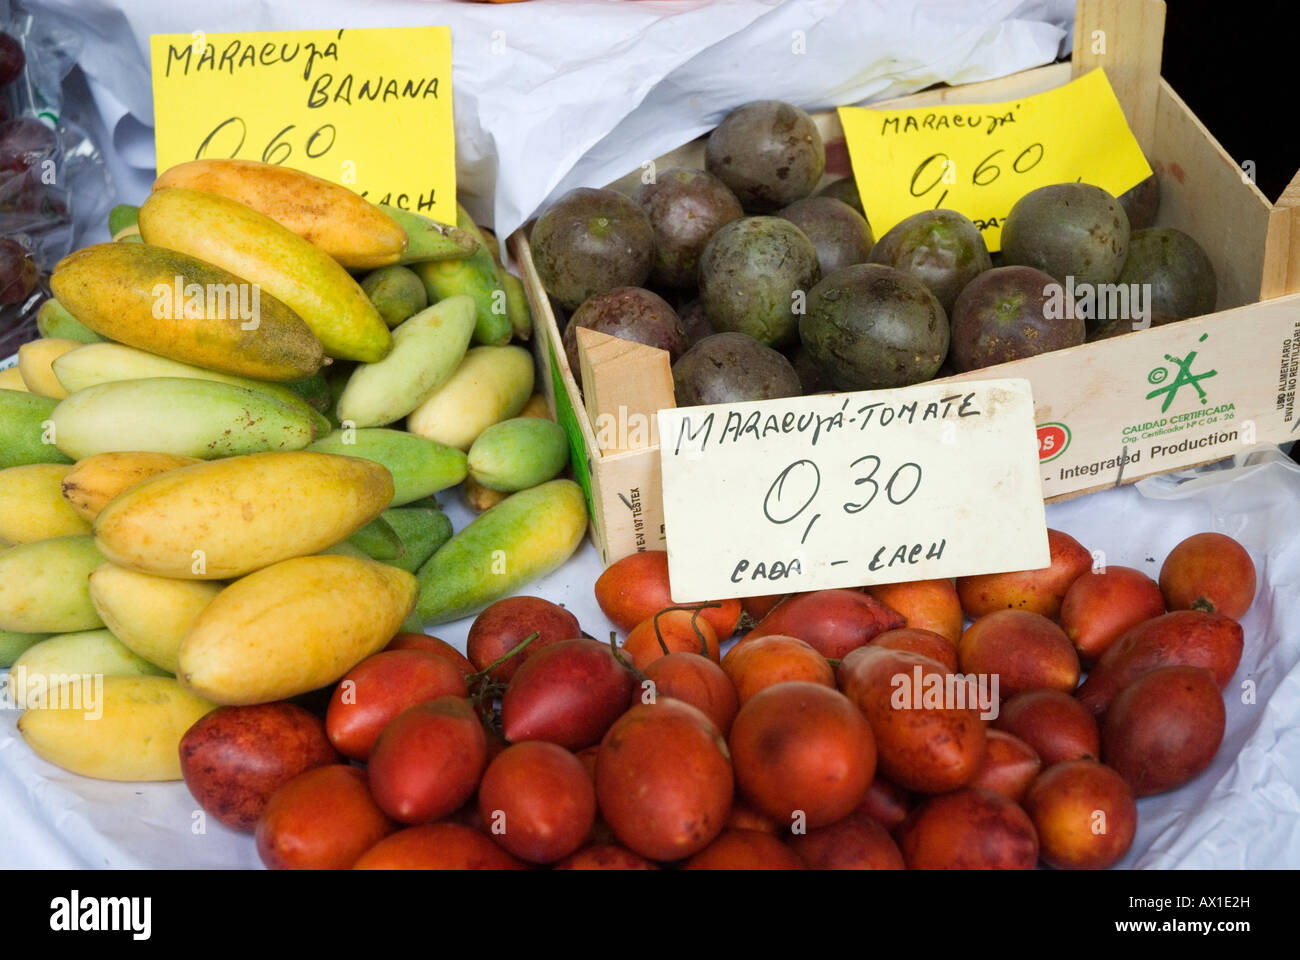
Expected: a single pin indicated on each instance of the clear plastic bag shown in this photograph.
(52, 175)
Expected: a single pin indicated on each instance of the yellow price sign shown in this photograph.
(370, 109)
(980, 159)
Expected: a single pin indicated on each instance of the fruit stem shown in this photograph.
(483, 700)
(626, 664)
(474, 678)
(659, 633)
(695, 609)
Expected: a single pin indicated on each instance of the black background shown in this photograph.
(1236, 64)
(668, 914)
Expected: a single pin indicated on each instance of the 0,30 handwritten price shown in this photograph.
(985, 172)
(840, 490)
(795, 489)
(280, 147)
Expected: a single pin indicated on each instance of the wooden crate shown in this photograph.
(1098, 406)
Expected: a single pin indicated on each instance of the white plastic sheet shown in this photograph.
(559, 93)
(1243, 812)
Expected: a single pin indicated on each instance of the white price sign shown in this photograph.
(847, 489)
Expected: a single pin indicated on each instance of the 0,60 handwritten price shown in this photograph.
(279, 148)
(368, 108)
(980, 160)
(940, 169)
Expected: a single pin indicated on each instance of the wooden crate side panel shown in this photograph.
(1164, 399)
(624, 384)
(1282, 259)
(630, 493)
(1204, 194)
(624, 490)
(1281, 272)
(1125, 37)
(562, 395)
(546, 328)
(539, 303)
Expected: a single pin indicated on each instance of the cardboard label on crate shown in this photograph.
(841, 490)
(1163, 399)
(980, 159)
(370, 109)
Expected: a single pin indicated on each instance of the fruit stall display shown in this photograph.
(273, 437)
(244, 550)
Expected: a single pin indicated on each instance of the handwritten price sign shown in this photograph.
(841, 490)
(980, 159)
(370, 109)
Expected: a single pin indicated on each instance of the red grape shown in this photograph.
(24, 143)
(11, 59)
(17, 272)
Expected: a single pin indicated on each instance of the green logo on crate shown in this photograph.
(1184, 377)
(1053, 438)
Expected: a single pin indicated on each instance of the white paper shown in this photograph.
(847, 489)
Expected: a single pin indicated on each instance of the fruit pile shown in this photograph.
(219, 538)
(206, 492)
(837, 733)
(757, 289)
